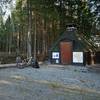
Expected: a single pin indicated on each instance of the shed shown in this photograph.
(67, 46)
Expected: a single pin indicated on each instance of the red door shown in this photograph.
(66, 52)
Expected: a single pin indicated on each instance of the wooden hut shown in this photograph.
(68, 49)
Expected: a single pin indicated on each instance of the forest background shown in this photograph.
(34, 25)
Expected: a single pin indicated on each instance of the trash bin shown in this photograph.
(34, 63)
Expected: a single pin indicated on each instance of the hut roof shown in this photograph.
(69, 35)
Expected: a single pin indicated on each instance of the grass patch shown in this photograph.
(55, 85)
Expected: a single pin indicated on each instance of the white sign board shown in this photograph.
(77, 57)
(55, 55)
(57, 61)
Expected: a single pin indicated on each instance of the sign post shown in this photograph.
(78, 58)
(55, 57)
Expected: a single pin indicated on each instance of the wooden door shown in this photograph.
(66, 52)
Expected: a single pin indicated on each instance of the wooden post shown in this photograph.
(92, 58)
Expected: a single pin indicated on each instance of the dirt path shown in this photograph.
(45, 84)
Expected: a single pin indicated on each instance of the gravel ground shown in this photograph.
(49, 82)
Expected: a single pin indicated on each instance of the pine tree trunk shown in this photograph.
(35, 53)
(29, 52)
